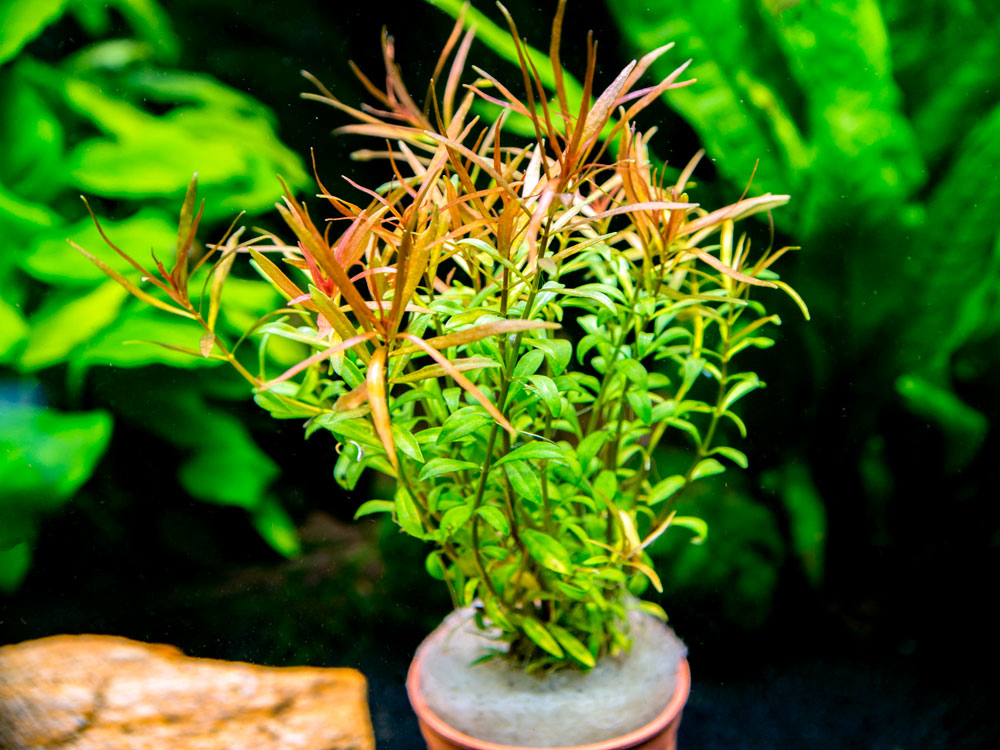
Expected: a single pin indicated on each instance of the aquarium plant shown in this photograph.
(513, 329)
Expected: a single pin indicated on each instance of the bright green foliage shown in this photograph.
(881, 117)
(512, 330)
(112, 119)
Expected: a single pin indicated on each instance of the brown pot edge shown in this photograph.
(435, 724)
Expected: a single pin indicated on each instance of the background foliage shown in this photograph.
(95, 105)
(867, 498)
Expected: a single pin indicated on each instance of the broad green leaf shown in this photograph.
(47, 456)
(34, 139)
(866, 150)
(54, 261)
(22, 20)
(542, 638)
(572, 645)
(374, 506)
(406, 443)
(537, 451)
(528, 364)
(67, 319)
(228, 467)
(438, 466)
(546, 551)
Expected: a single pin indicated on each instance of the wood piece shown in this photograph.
(91, 692)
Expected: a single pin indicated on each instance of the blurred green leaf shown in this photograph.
(277, 528)
(53, 260)
(33, 139)
(45, 456)
(964, 427)
(14, 564)
(13, 330)
(65, 320)
(126, 343)
(866, 151)
(22, 20)
(806, 516)
(948, 96)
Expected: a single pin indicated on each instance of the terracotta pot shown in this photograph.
(659, 734)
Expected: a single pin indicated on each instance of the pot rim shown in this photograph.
(644, 733)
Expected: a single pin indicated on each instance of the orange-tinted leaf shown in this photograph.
(475, 333)
(377, 399)
(463, 381)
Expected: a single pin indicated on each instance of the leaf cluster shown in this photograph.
(509, 330)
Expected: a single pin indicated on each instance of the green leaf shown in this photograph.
(964, 427)
(738, 391)
(697, 525)
(13, 330)
(546, 551)
(665, 489)
(524, 481)
(537, 633)
(53, 260)
(277, 528)
(406, 443)
(654, 609)
(454, 519)
(435, 569)
(495, 518)
(548, 392)
(557, 351)
(22, 20)
(14, 564)
(707, 467)
(374, 506)
(407, 514)
(463, 422)
(528, 364)
(228, 467)
(46, 456)
(807, 519)
(839, 53)
(573, 646)
(537, 451)
(438, 466)
(736, 456)
(65, 320)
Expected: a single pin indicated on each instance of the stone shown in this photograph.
(84, 692)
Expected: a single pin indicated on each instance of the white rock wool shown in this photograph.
(496, 702)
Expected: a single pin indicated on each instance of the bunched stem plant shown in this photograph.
(510, 330)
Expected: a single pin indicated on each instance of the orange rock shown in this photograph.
(87, 692)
